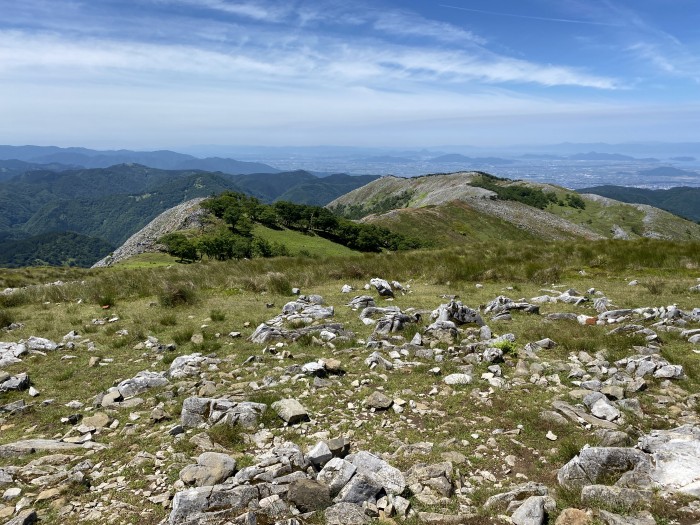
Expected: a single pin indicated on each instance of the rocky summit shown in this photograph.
(376, 399)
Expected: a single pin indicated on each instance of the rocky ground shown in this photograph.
(377, 401)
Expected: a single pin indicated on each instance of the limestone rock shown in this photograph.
(140, 383)
(290, 410)
(378, 401)
(336, 474)
(212, 468)
(613, 496)
(214, 504)
(383, 287)
(309, 495)
(596, 463)
(531, 512)
(198, 411)
(345, 514)
(389, 477)
(573, 516)
(458, 379)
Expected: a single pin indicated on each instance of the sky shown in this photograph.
(148, 74)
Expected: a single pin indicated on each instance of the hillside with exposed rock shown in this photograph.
(436, 206)
(355, 391)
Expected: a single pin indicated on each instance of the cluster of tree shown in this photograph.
(392, 202)
(534, 197)
(240, 212)
(220, 244)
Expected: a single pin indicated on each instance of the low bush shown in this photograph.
(178, 295)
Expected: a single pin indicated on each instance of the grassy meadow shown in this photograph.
(174, 302)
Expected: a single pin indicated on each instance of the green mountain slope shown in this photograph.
(115, 217)
(541, 210)
(53, 249)
(683, 200)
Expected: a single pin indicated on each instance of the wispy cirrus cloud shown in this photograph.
(266, 12)
(293, 61)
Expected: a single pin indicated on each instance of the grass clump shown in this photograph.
(278, 283)
(183, 336)
(228, 436)
(168, 320)
(217, 315)
(178, 295)
(6, 319)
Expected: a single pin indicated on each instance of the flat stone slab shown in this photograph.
(31, 446)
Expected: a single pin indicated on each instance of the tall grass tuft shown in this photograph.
(6, 319)
(278, 283)
(178, 294)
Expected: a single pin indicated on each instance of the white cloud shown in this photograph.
(253, 10)
(292, 61)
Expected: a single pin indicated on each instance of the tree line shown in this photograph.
(238, 213)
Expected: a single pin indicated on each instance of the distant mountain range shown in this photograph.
(104, 206)
(166, 160)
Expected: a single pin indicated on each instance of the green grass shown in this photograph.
(302, 244)
(149, 260)
(455, 223)
(230, 295)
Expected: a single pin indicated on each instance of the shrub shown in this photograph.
(177, 295)
(168, 320)
(5, 319)
(217, 315)
(228, 436)
(278, 283)
(183, 336)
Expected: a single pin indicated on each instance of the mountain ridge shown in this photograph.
(558, 211)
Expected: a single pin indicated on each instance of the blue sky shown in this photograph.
(171, 73)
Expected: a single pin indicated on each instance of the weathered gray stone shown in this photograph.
(676, 458)
(604, 410)
(25, 517)
(309, 495)
(456, 312)
(336, 474)
(608, 496)
(345, 514)
(640, 518)
(320, 454)
(360, 302)
(458, 379)
(18, 382)
(378, 401)
(210, 505)
(389, 477)
(31, 446)
(596, 463)
(493, 355)
(212, 468)
(531, 512)
(519, 493)
(41, 344)
(361, 488)
(383, 287)
(140, 383)
(198, 411)
(290, 410)
(435, 478)
(10, 353)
